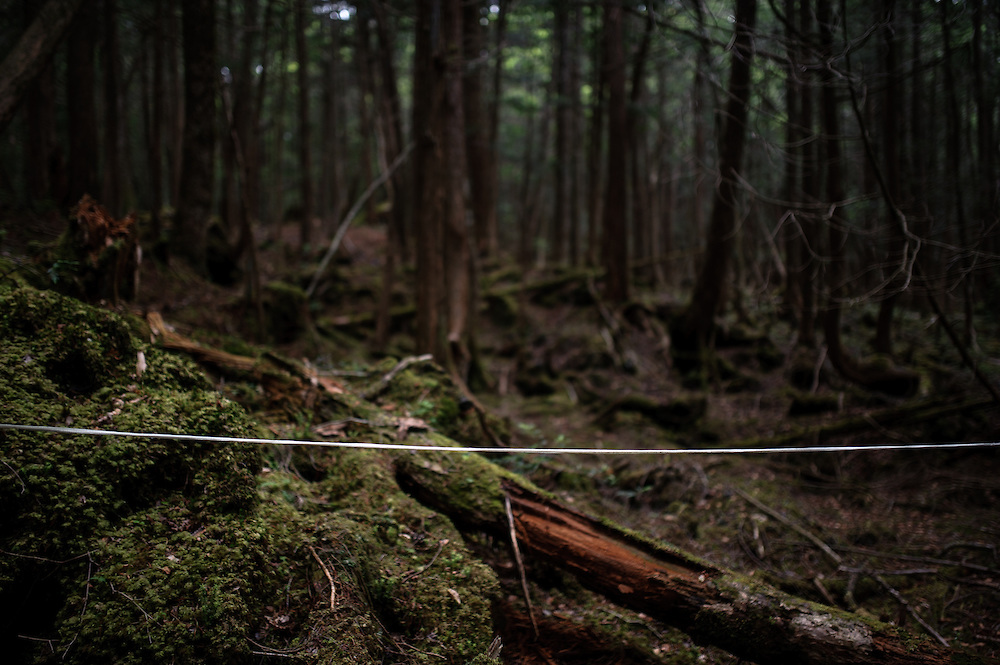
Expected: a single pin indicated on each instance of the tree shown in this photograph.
(693, 329)
(302, 12)
(615, 243)
(32, 53)
(194, 204)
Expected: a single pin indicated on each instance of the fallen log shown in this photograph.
(713, 605)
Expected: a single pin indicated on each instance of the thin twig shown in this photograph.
(326, 571)
(802, 531)
(909, 608)
(391, 374)
(351, 214)
(520, 563)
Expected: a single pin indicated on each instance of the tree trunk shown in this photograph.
(694, 328)
(809, 165)
(642, 248)
(895, 256)
(81, 115)
(713, 605)
(876, 376)
(595, 150)
(428, 183)
(32, 53)
(194, 205)
(302, 14)
(615, 242)
(477, 137)
(457, 252)
(562, 163)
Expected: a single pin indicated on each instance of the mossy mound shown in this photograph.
(146, 550)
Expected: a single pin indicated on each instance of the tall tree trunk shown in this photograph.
(332, 168)
(391, 117)
(564, 109)
(595, 151)
(693, 330)
(81, 115)
(194, 205)
(699, 112)
(366, 111)
(457, 251)
(111, 189)
(642, 247)
(809, 165)
(175, 95)
(302, 14)
(477, 135)
(32, 53)
(895, 257)
(492, 232)
(954, 178)
(615, 242)
(428, 183)
(876, 376)
(155, 134)
(794, 136)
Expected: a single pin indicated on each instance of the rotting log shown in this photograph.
(713, 605)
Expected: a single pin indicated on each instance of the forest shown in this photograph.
(513, 331)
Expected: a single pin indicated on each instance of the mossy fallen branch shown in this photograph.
(713, 605)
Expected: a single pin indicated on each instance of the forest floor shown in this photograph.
(908, 536)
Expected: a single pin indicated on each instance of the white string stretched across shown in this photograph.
(525, 451)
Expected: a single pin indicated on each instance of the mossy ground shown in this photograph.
(146, 550)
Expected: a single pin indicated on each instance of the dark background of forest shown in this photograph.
(853, 161)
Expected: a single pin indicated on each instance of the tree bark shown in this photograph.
(194, 204)
(564, 141)
(480, 154)
(615, 223)
(895, 241)
(428, 184)
(695, 326)
(713, 605)
(81, 115)
(32, 52)
(457, 252)
(302, 13)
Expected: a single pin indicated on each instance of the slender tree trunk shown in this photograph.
(392, 116)
(890, 148)
(111, 190)
(595, 151)
(302, 14)
(429, 185)
(875, 376)
(794, 136)
(366, 102)
(32, 53)
(642, 248)
(615, 243)
(155, 135)
(694, 329)
(564, 110)
(492, 231)
(954, 179)
(194, 205)
(809, 165)
(81, 115)
(477, 137)
(699, 113)
(457, 250)
(175, 88)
